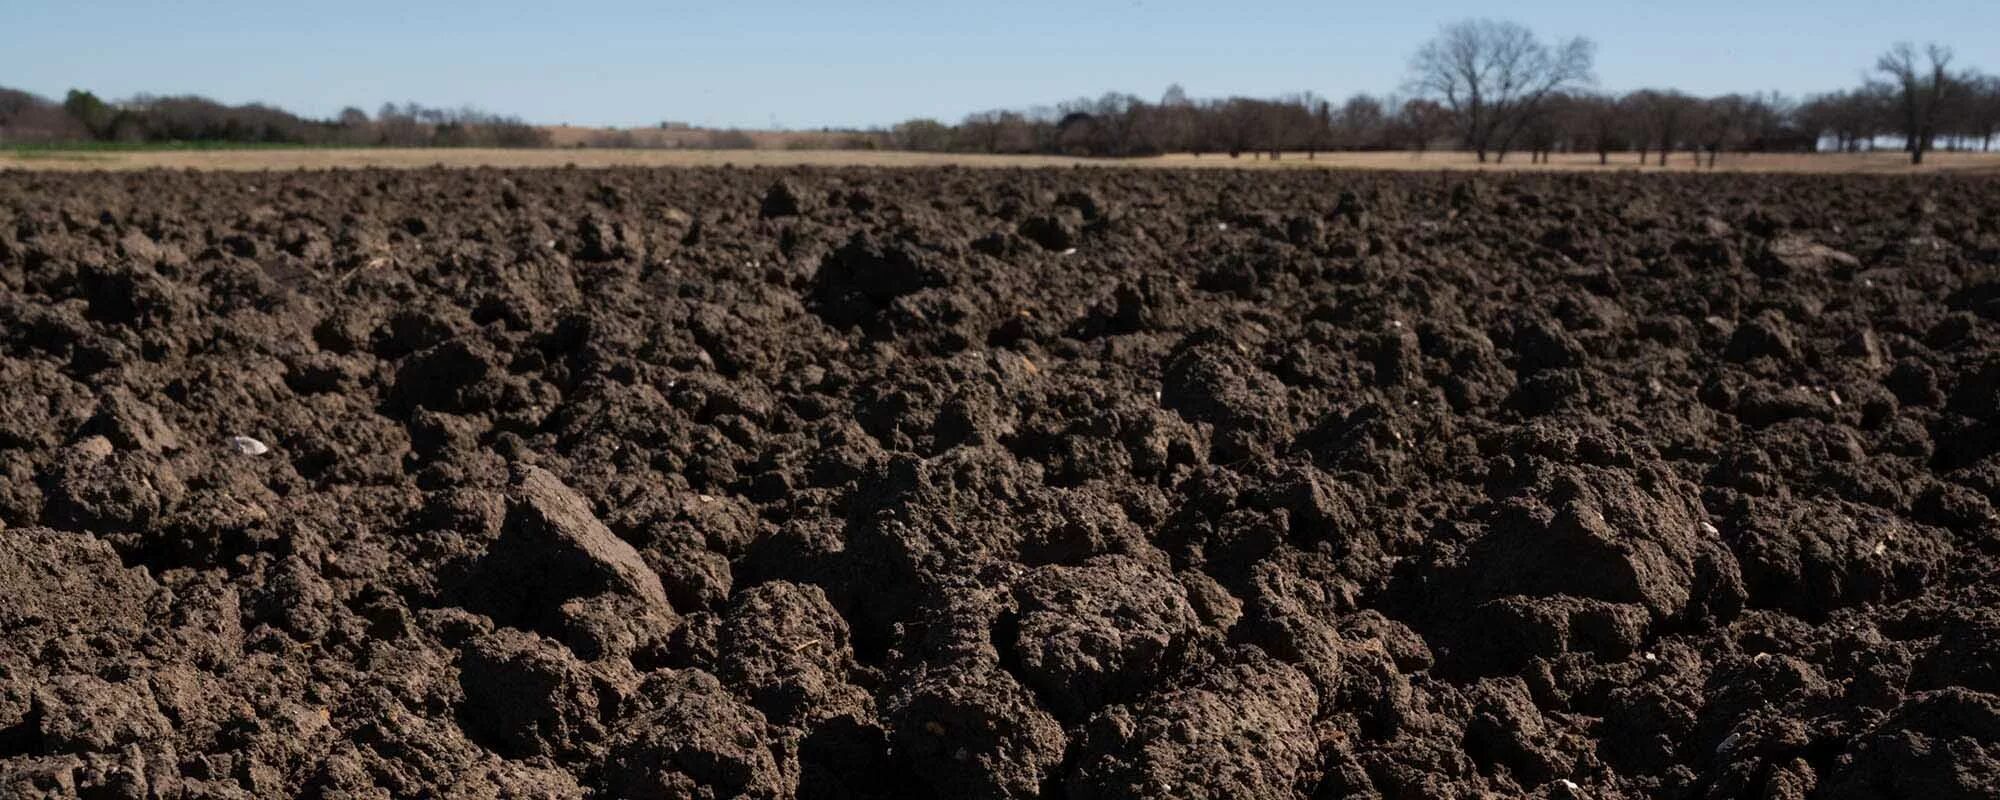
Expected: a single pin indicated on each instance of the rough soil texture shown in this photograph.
(1061, 484)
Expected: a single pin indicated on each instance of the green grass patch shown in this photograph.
(57, 149)
(25, 154)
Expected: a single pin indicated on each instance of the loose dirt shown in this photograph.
(1005, 484)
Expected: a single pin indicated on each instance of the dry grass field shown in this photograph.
(1876, 162)
(281, 159)
(697, 138)
(334, 158)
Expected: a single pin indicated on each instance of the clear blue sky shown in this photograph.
(809, 64)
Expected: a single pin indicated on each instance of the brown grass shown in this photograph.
(1883, 162)
(698, 138)
(1876, 162)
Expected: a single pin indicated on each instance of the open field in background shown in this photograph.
(330, 158)
(480, 157)
(704, 138)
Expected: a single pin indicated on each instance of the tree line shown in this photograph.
(1494, 89)
(1489, 87)
(82, 116)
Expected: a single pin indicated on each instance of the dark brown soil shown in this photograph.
(1078, 484)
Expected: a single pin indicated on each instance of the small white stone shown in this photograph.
(1568, 784)
(1069, 252)
(1833, 396)
(1651, 657)
(245, 445)
(1222, 226)
(1881, 547)
(1709, 528)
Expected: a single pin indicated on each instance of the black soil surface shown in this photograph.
(1062, 484)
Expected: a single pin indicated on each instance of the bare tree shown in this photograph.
(1287, 123)
(1600, 121)
(1302, 122)
(1851, 118)
(27, 117)
(1740, 122)
(1550, 129)
(1495, 76)
(1923, 91)
(1238, 125)
(1361, 120)
(1722, 122)
(1770, 122)
(1423, 121)
(921, 135)
(999, 132)
(1663, 117)
(1321, 135)
(1982, 117)
(1697, 119)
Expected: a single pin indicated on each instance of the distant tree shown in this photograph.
(1539, 136)
(354, 127)
(1559, 127)
(1924, 91)
(1851, 119)
(1322, 138)
(1078, 133)
(1115, 118)
(1982, 117)
(1265, 127)
(1305, 122)
(397, 126)
(93, 114)
(1598, 121)
(1719, 123)
(731, 139)
(1361, 122)
(1177, 122)
(15, 101)
(1423, 122)
(1663, 117)
(1495, 76)
(1633, 123)
(998, 132)
(1697, 119)
(1237, 125)
(27, 117)
(1769, 122)
(1292, 123)
(927, 135)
